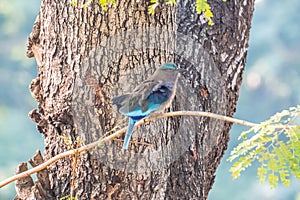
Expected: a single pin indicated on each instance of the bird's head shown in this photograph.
(171, 66)
(167, 72)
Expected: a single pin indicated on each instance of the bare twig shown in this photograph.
(117, 134)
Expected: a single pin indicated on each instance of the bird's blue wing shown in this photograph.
(146, 98)
(130, 104)
(159, 95)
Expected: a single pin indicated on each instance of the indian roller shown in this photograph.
(153, 95)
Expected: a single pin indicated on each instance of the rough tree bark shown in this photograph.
(87, 56)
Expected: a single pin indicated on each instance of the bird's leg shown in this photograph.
(151, 115)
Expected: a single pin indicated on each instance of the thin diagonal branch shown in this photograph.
(117, 134)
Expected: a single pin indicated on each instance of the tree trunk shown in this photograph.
(87, 56)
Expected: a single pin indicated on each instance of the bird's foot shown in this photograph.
(146, 120)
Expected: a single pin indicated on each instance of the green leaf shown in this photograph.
(272, 165)
(208, 14)
(200, 6)
(273, 180)
(236, 170)
(106, 3)
(74, 2)
(203, 7)
(171, 2)
(262, 173)
(284, 174)
(210, 22)
(244, 134)
(275, 143)
(152, 6)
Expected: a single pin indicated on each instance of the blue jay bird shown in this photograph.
(154, 94)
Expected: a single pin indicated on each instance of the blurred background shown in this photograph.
(271, 83)
(19, 138)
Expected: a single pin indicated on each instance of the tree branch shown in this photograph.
(117, 134)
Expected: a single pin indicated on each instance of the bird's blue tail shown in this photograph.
(129, 133)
